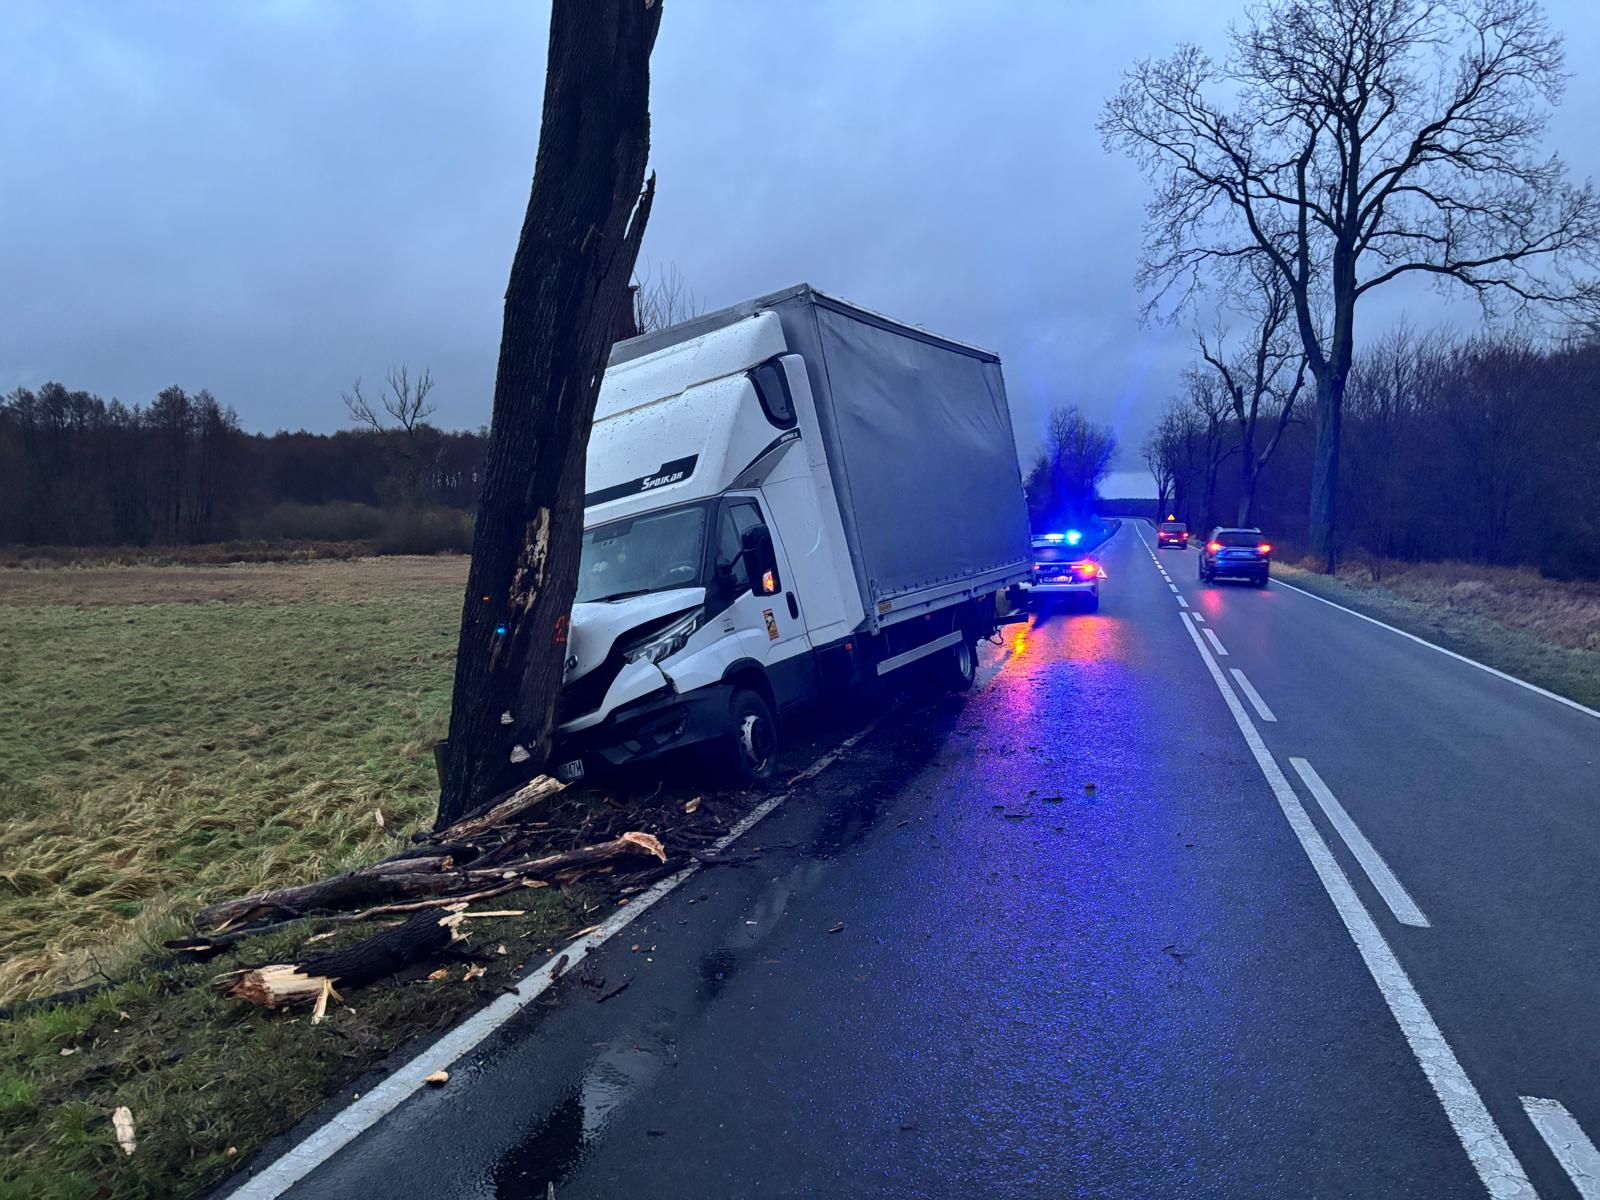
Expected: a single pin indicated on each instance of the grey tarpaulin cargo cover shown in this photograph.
(918, 441)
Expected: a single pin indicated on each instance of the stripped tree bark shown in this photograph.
(569, 281)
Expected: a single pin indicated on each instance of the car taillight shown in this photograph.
(1085, 570)
(1213, 546)
(1264, 548)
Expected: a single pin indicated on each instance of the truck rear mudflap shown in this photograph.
(643, 730)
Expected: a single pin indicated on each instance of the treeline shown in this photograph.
(1064, 479)
(1483, 449)
(78, 470)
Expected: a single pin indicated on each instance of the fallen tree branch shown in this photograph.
(500, 811)
(373, 958)
(389, 882)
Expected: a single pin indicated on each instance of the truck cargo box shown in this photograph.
(919, 447)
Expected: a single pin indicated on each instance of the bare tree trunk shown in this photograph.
(1325, 474)
(569, 280)
(1247, 498)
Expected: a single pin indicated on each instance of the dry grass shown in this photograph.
(1541, 630)
(263, 550)
(169, 735)
(1561, 613)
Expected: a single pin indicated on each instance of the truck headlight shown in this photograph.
(663, 643)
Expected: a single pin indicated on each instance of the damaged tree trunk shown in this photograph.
(569, 279)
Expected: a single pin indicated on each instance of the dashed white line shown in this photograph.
(1172, 585)
(1216, 643)
(1183, 602)
(1390, 888)
(1480, 1137)
(1567, 1141)
(1198, 616)
(1250, 694)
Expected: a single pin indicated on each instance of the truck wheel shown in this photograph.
(961, 665)
(749, 750)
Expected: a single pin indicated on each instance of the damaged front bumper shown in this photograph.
(643, 730)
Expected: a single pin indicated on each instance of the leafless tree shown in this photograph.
(1263, 381)
(1069, 470)
(400, 420)
(662, 298)
(1356, 142)
(1160, 454)
(1210, 411)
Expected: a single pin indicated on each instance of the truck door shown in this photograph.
(770, 624)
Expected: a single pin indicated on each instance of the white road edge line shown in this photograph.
(1216, 642)
(1567, 1141)
(317, 1147)
(1471, 662)
(1485, 1145)
(1250, 694)
(1389, 887)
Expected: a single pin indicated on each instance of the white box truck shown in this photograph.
(785, 497)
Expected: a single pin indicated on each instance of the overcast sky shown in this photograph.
(271, 199)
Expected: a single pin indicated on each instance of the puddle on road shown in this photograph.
(716, 969)
(557, 1143)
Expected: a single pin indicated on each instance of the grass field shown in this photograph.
(170, 735)
(174, 734)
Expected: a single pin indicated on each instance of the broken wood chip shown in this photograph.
(122, 1122)
(648, 842)
(437, 1079)
(377, 815)
(692, 805)
(276, 985)
(68, 1050)
(838, 928)
(475, 971)
(321, 1008)
(435, 976)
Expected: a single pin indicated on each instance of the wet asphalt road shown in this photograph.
(1042, 989)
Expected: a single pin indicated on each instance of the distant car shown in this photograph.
(1236, 554)
(1061, 570)
(1172, 533)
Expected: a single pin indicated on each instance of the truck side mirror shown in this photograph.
(760, 560)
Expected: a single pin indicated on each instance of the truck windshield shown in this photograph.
(654, 552)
